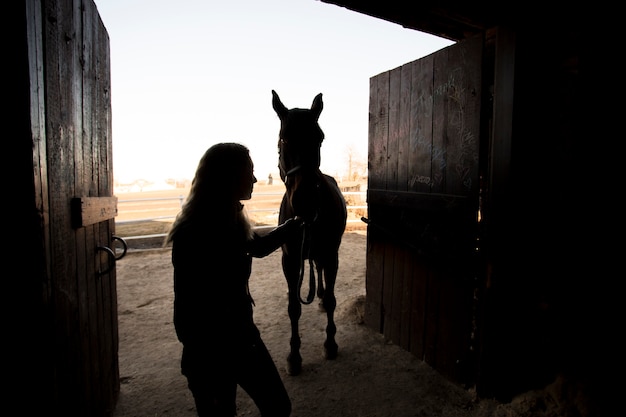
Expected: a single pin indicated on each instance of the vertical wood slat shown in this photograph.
(84, 236)
(87, 175)
(462, 89)
(439, 157)
(462, 179)
(96, 181)
(404, 123)
(392, 272)
(38, 120)
(403, 306)
(32, 292)
(432, 305)
(377, 144)
(391, 174)
(419, 305)
(420, 180)
(107, 229)
(439, 160)
(60, 109)
(421, 127)
(378, 129)
(403, 299)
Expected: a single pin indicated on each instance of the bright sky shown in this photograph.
(190, 73)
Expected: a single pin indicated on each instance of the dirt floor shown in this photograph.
(369, 378)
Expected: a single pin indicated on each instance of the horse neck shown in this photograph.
(302, 175)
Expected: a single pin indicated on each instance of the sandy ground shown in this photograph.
(369, 378)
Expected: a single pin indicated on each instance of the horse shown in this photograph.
(316, 198)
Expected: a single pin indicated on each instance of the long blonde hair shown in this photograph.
(214, 189)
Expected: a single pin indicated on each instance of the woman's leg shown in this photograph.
(214, 388)
(213, 399)
(259, 377)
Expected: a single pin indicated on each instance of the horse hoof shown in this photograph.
(294, 365)
(330, 350)
(294, 369)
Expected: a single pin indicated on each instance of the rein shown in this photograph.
(291, 172)
(306, 238)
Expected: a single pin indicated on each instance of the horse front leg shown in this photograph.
(291, 269)
(320, 285)
(329, 303)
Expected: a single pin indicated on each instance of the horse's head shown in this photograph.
(299, 143)
(300, 137)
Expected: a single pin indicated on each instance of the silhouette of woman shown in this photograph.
(212, 248)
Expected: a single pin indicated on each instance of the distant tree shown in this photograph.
(357, 165)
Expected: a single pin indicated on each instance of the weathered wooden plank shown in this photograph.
(392, 270)
(421, 129)
(92, 210)
(374, 279)
(30, 293)
(455, 162)
(441, 78)
(455, 322)
(419, 179)
(95, 52)
(88, 256)
(391, 174)
(501, 149)
(419, 303)
(109, 342)
(378, 130)
(38, 131)
(389, 266)
(461, 131)
(404, 256)
(62, 57)
(393, 326)
(403, 127)
(432, 309)
(377, 158)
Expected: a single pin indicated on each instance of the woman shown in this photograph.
(212, 249)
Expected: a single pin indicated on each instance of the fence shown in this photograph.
(138, 210)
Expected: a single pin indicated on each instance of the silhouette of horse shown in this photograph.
(316, 198)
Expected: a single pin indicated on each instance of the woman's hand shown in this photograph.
(298, 220)
(261, 246)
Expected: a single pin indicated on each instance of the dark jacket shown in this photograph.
(212, 303)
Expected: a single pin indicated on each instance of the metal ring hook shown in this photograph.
(111, 258)
(124, 246)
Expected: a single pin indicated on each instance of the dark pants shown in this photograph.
(213, 380)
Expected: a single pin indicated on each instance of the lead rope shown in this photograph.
(311, 296)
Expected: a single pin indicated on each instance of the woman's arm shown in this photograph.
(261, 246)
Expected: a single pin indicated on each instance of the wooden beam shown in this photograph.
(92, 210)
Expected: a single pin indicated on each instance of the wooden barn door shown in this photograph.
(423, 203)
(70, 107)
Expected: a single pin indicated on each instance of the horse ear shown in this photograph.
(279, 107)
(317, 106)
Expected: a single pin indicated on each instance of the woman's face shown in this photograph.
(246, 182)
